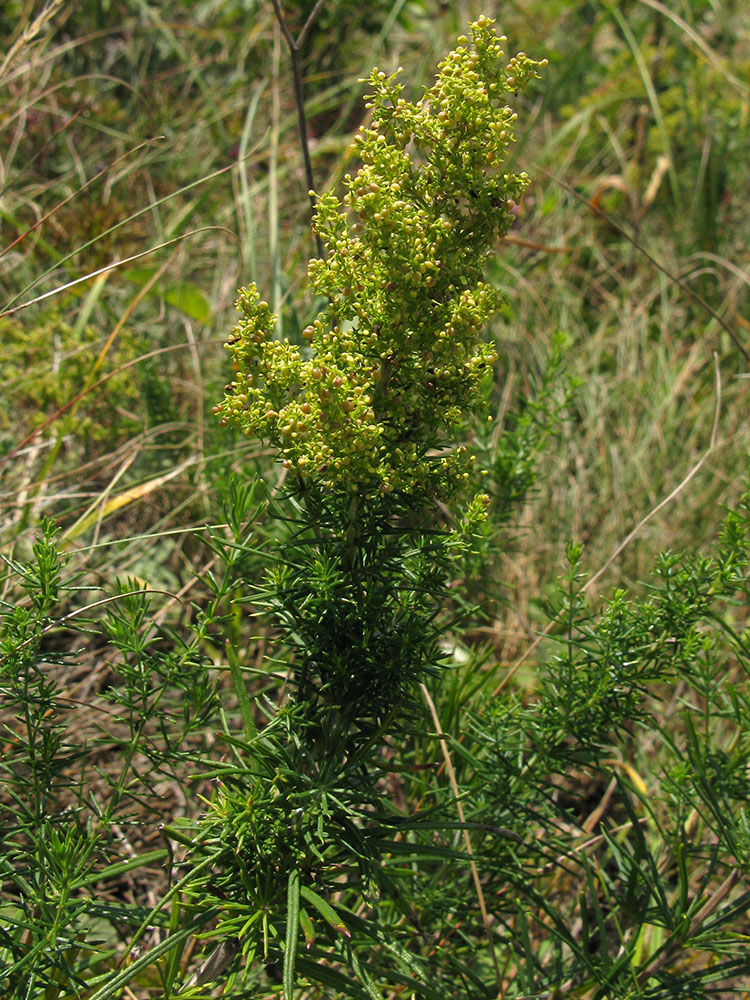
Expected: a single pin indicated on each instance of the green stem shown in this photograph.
(238, 682)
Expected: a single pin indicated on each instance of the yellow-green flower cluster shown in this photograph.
(396, 357)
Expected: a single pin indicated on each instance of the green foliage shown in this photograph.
(649, 881)
(61, 859)
(44, 368)
(234, 788)
(45, 847)
(511, 455)
(357, 595)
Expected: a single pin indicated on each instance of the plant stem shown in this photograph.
(295, 47)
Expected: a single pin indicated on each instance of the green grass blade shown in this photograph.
(292, 933)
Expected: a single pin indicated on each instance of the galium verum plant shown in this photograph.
(380, 505)
(365, 416)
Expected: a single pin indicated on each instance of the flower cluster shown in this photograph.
(397, 356)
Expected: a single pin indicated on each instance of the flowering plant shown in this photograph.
(396, 357)
(365, 417)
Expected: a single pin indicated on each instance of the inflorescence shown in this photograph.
(396, 357)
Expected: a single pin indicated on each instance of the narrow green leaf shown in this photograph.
(238, 682)
(326, 911)
(331, 978)
(174, 833)
(364, 978)
(112, 871)
(113, 988)
(307, 927)
(173, 962)
(292, 933)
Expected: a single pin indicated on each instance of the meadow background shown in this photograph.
(150, 164)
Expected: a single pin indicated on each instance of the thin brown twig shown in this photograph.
(302, 37)
(295, 47)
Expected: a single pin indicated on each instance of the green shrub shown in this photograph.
(589, 836)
